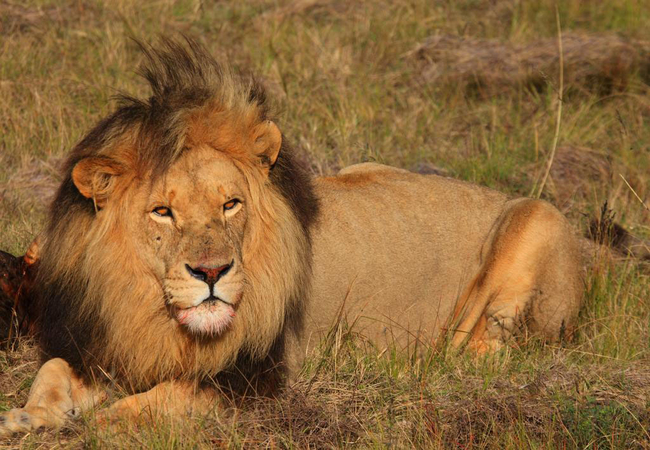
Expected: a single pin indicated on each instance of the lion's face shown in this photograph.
(191, 230)
(185, 228)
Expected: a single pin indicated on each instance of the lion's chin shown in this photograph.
(209, 318)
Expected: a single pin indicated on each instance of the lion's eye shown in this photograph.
(162, 211)
(230, 204)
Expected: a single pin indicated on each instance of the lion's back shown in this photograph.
(395, 248)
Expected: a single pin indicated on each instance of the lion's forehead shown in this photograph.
(201, 176)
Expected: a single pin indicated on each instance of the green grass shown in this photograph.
(348, 89)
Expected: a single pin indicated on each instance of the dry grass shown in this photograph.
(575, 172)
(351, 88)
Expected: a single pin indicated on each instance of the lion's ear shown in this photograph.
(94, 177)
(267, 140)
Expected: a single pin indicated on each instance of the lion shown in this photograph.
(187, 249)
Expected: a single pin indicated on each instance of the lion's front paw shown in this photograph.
(14, 421)
(17, 420)
(126, 409)
(24, 420)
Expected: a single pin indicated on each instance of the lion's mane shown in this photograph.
(97, 306)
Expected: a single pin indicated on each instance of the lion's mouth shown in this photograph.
(212, 299)
(210, 317)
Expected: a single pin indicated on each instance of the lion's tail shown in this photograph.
(15, 275)
(617, 242)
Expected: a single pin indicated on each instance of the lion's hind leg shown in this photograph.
(56, 396)
(529, 280)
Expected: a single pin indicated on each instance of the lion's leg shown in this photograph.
(529, 277)
(172, 399)
(56, 396)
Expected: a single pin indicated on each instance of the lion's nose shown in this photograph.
(209, 274)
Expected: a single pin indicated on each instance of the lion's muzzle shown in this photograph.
(205, 295)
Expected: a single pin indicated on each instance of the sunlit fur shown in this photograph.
(98, 305)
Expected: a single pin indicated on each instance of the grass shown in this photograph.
(349, 87)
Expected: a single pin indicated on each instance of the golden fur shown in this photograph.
(186, 245)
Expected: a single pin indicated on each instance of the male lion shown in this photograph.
(187, 248)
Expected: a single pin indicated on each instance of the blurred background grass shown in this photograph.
(467, 89)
